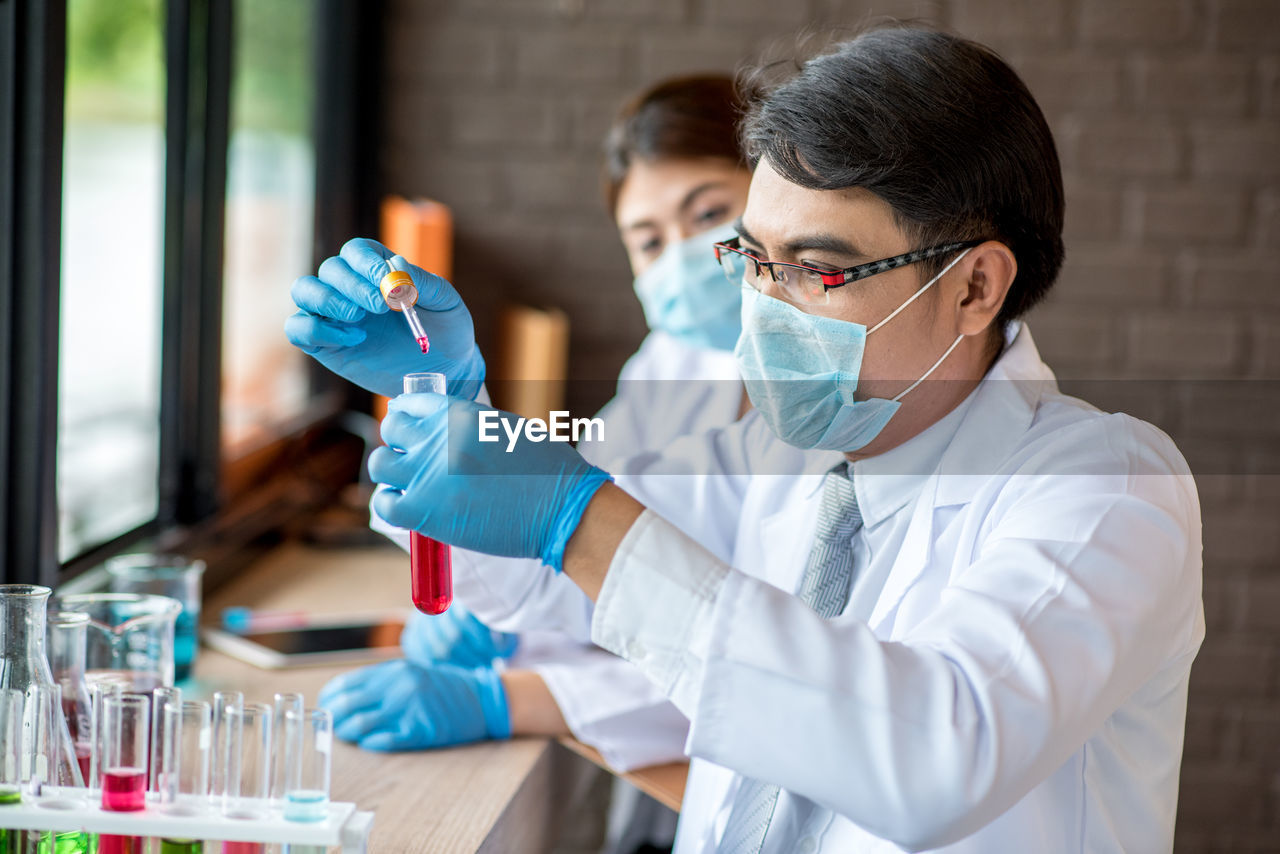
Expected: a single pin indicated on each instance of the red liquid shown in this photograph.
(431, 571)
(242, 848)
(108, 844)
(82, 759)
(124, 789)
(424, 344)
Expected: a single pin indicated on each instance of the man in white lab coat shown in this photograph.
(958, 614)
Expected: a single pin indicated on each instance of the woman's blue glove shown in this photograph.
(397, 705)
(346, 325)
(446, 484)
(454, 637)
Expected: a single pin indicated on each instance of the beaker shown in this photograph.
(129, 638)
(165, 575)
(66, 659)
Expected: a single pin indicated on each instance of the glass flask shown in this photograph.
(25, 667)
(129, 639)
(67, 641)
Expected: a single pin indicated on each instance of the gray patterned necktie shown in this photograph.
(825, 587)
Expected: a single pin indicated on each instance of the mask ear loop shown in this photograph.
(912, 387)
(913, 297)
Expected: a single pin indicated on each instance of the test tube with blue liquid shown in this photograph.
(308, 761)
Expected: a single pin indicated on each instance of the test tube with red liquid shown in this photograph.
(430, 563)
(126, 731)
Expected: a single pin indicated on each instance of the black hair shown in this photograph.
(939, 127)
(684, 118)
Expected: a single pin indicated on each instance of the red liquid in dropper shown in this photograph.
(431, 573)
(424, 344)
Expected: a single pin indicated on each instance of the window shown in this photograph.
(108, 449)
(270, 200)
(166, 178)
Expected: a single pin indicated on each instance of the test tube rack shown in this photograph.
(78, 810)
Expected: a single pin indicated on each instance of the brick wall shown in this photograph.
(1167, 117)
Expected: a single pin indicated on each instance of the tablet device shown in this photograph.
(314, 640)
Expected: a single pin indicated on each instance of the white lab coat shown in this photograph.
(1011, 672)
(666, 390)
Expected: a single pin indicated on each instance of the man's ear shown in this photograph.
(989, 269)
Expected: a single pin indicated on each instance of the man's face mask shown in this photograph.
(685, 294)
(801, 371)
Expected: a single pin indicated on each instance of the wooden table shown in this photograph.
(493, 796)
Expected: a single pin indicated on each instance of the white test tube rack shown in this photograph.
(61, 810)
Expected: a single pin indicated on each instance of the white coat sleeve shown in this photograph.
(1085, 587)
(613, 707)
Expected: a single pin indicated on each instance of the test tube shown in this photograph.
(126, 727)
(161, 699)
(218, 761)
(195, 738)
(48, 755)
(166, 748)
(401, 295)
(430, 561)
(10, 746)
(98, 694)
(307, 790)
(248, 781)
(285, 734)
(184, 760)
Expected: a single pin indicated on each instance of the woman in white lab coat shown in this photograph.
(675, 181)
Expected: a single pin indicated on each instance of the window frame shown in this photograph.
(194, 506)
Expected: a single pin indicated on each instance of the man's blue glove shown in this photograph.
(454, 637)
(346, 325)
(397, 705)
(446, 484)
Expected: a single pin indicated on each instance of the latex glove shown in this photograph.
(446, 484)
(346, 325)
(454, 637)
(398, 705)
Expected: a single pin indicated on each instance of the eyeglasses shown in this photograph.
(803, 284)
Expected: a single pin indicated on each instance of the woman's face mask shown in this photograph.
(801, 371)
(686, 295)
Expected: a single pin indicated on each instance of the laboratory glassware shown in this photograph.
(25, 666)
(66, 645)
(222, 736)
(401, 295)
(125, 731)
(11, 700)
(195, 736)
(430, 561)
(129, 638)
(98, 694)
(306, 796)
(284, 733)
(46, 764)
(248, 778)
(169, 575)
(161, 698)
(184, 758)
(48, 759)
